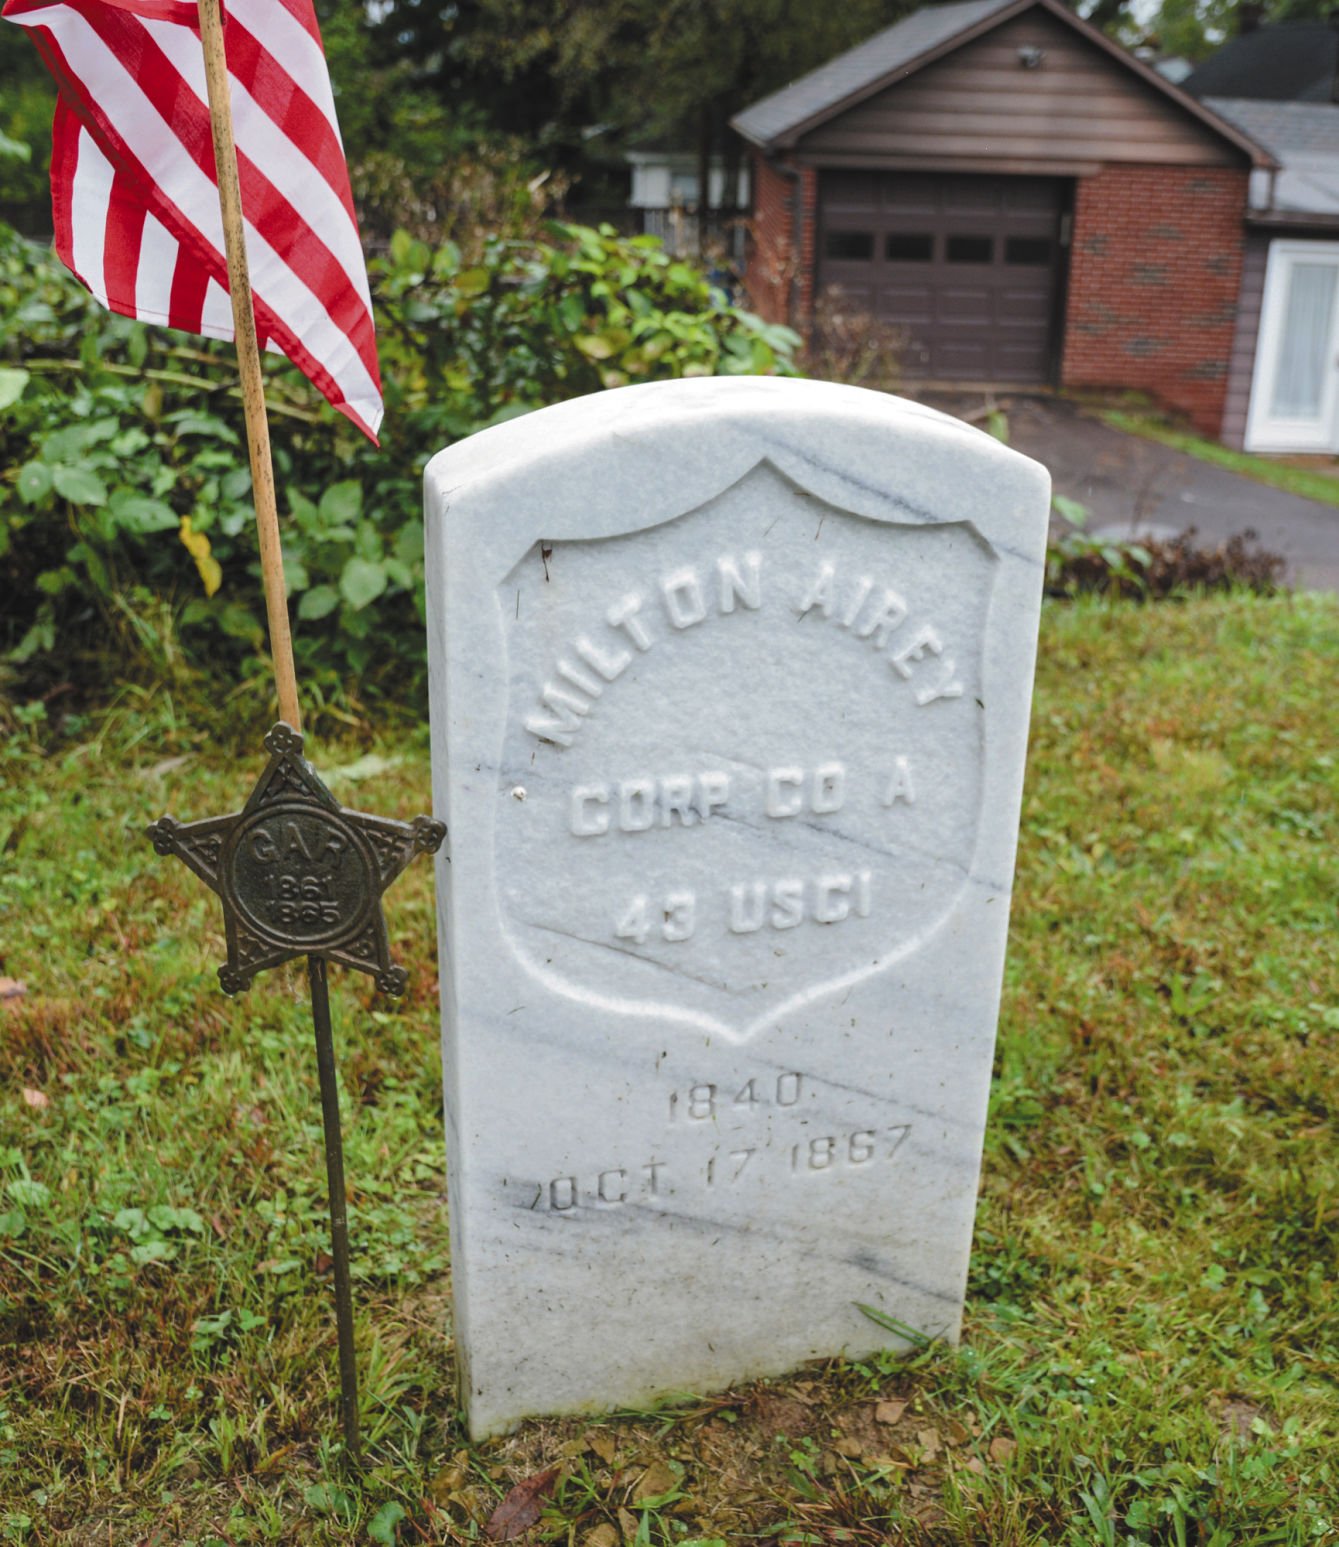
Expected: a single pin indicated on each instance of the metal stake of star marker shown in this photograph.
(299, 875)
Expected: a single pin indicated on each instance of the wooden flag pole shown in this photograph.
(248, 360)
(285, 677)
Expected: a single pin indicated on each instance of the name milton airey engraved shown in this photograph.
(920, 664)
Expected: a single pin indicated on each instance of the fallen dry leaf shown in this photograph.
(601, 1536)
(889, 1463)
(37, 1099)
(957, 1432)
(521, 1508)
(11, 991)
(1001, 1448)
(451, 1479)
(929, 1441)
(654, 1481)
(852, 1449)
(605, 1446)
(890, 1411)
(627, 1523)
(471, 1503)
(276, 1458)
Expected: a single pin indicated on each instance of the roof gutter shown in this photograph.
(1292, 220)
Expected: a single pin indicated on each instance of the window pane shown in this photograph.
(1300, 381)
(970, 249)
(1027, 249)
(918, 248)
(850, 246)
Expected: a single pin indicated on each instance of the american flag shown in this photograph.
(134, 193)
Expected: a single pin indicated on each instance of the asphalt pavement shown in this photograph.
(1135, 487)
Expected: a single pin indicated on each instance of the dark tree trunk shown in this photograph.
(704, 138)
(734, 159)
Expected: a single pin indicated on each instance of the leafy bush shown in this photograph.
(1154, 569)
(474, 192)
(126, 538)
(27, 97)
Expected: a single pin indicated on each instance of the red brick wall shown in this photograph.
(1155, 267)
(771, 257)
(779, 277)
(809, 251)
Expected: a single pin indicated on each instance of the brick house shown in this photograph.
(1027, 202)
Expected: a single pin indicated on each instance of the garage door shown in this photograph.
(968, 268)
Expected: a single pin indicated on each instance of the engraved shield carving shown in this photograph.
(742, 763)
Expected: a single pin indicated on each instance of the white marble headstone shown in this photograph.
(730, 690)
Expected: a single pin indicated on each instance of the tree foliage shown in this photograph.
(27, 100)
(554, 73)
(1192, 29)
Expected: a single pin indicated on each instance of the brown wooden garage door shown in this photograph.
(967, 267)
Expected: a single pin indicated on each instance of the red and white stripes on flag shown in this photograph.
(134, 190)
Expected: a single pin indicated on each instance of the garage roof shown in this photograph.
(830, 86)
(778, 121)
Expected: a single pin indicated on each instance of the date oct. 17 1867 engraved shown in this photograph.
(761, 1159)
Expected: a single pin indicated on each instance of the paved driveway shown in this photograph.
(1131, 485)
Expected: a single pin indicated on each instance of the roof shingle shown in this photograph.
(1304, 139)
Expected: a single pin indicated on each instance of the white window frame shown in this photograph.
(1264, 432)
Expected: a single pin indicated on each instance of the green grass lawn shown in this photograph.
(1151, 1339)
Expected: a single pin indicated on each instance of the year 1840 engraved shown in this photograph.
(707, 1101)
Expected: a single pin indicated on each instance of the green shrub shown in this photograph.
(126, 539)
(1157, 569)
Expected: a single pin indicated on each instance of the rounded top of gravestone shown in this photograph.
(665, 442)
